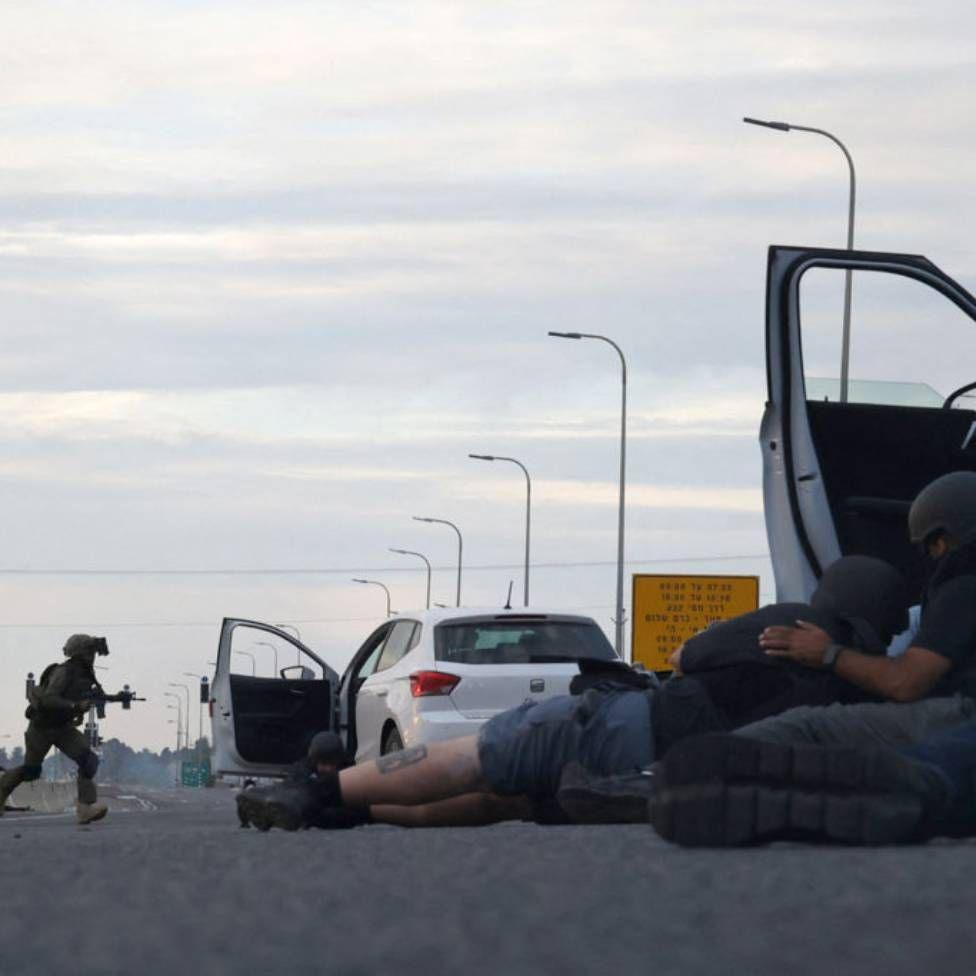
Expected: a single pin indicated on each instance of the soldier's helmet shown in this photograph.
(870, 594)
(326, 747)
(947, 505)
(80, 644)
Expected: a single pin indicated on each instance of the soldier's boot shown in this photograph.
(727, 790)
(294, 806)
(91, 812)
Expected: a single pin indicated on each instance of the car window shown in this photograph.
(259, 653)
(909, 345)
(519, 642)
(397, 644)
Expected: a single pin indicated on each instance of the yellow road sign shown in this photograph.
(667, 610)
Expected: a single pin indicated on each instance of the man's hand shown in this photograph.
(805, 643)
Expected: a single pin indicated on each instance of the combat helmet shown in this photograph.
(80, 644)
(870, 594)
(947, 505)
(326, 747)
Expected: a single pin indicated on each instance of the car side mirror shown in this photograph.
(298, 672)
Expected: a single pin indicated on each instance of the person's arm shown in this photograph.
(906, 678)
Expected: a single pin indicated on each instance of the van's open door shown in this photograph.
(269, 696)
(839, 473)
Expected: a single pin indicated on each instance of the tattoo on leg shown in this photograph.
(402, 759)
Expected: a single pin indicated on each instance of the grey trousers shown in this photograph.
(867, 724)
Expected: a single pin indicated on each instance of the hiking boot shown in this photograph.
(91, 812)
(727, 790)
(292, 805)
(589, 799)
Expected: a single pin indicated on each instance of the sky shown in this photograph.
(270, 272)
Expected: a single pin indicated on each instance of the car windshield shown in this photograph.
(520, 642)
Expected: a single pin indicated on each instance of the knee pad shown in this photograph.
(88, 765)
(32, 773)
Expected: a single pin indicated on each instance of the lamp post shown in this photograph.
(274, 651)
(619, 622)
(845, 352)
(439, 521)
(389, 612)
(528, 507)
(179, 715)
(298, 636)
(410, 552)
(186, 714)
(248, 654)
(199, 677)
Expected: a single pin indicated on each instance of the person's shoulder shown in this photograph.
(958, 590)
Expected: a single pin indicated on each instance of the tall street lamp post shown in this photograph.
(410, 552)
(199, 677)
(179, 715)
(186, 714)
(298, 636)
(620, 619)
(845, 352)
(439, 521)
(528, 507)
(389, 612)
(274, 651)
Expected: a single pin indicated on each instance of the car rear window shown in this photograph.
(520, 642)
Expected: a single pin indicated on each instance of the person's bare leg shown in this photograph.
(421, 774)
(469, 810)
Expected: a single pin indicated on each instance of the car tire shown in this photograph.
(391, 742)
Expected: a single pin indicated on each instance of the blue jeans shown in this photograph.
(523, 750)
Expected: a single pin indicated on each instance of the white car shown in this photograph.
(418, 678)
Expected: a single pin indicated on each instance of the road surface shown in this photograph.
(169, 884)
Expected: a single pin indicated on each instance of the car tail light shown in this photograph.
(424, 683)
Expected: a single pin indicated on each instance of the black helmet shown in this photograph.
(80, 644)
(326, 747)
(947, 505)
(869, 594)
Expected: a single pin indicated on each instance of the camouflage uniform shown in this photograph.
(54, 713)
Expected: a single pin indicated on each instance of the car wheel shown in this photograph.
(391, 742)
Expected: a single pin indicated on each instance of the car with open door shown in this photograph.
(842, 466)
(417, 678)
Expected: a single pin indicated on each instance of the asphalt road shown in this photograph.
(169, 884)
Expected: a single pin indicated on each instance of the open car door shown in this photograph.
(840, 471)
(269, 696)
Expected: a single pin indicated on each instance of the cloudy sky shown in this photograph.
(269, 272)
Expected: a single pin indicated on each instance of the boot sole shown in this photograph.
(730, 815)
(731, 759)
(592, 800)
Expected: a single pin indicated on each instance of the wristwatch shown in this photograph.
(829, 659)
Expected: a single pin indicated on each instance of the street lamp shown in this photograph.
(438, 521)
(186, 714)
(179, 715)
(845, 352)
(619, 622)
(274, 651)
(389, 612)
(199, 677)
(410, 552)
(298, 636)
(248, 654)
(528, 507)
